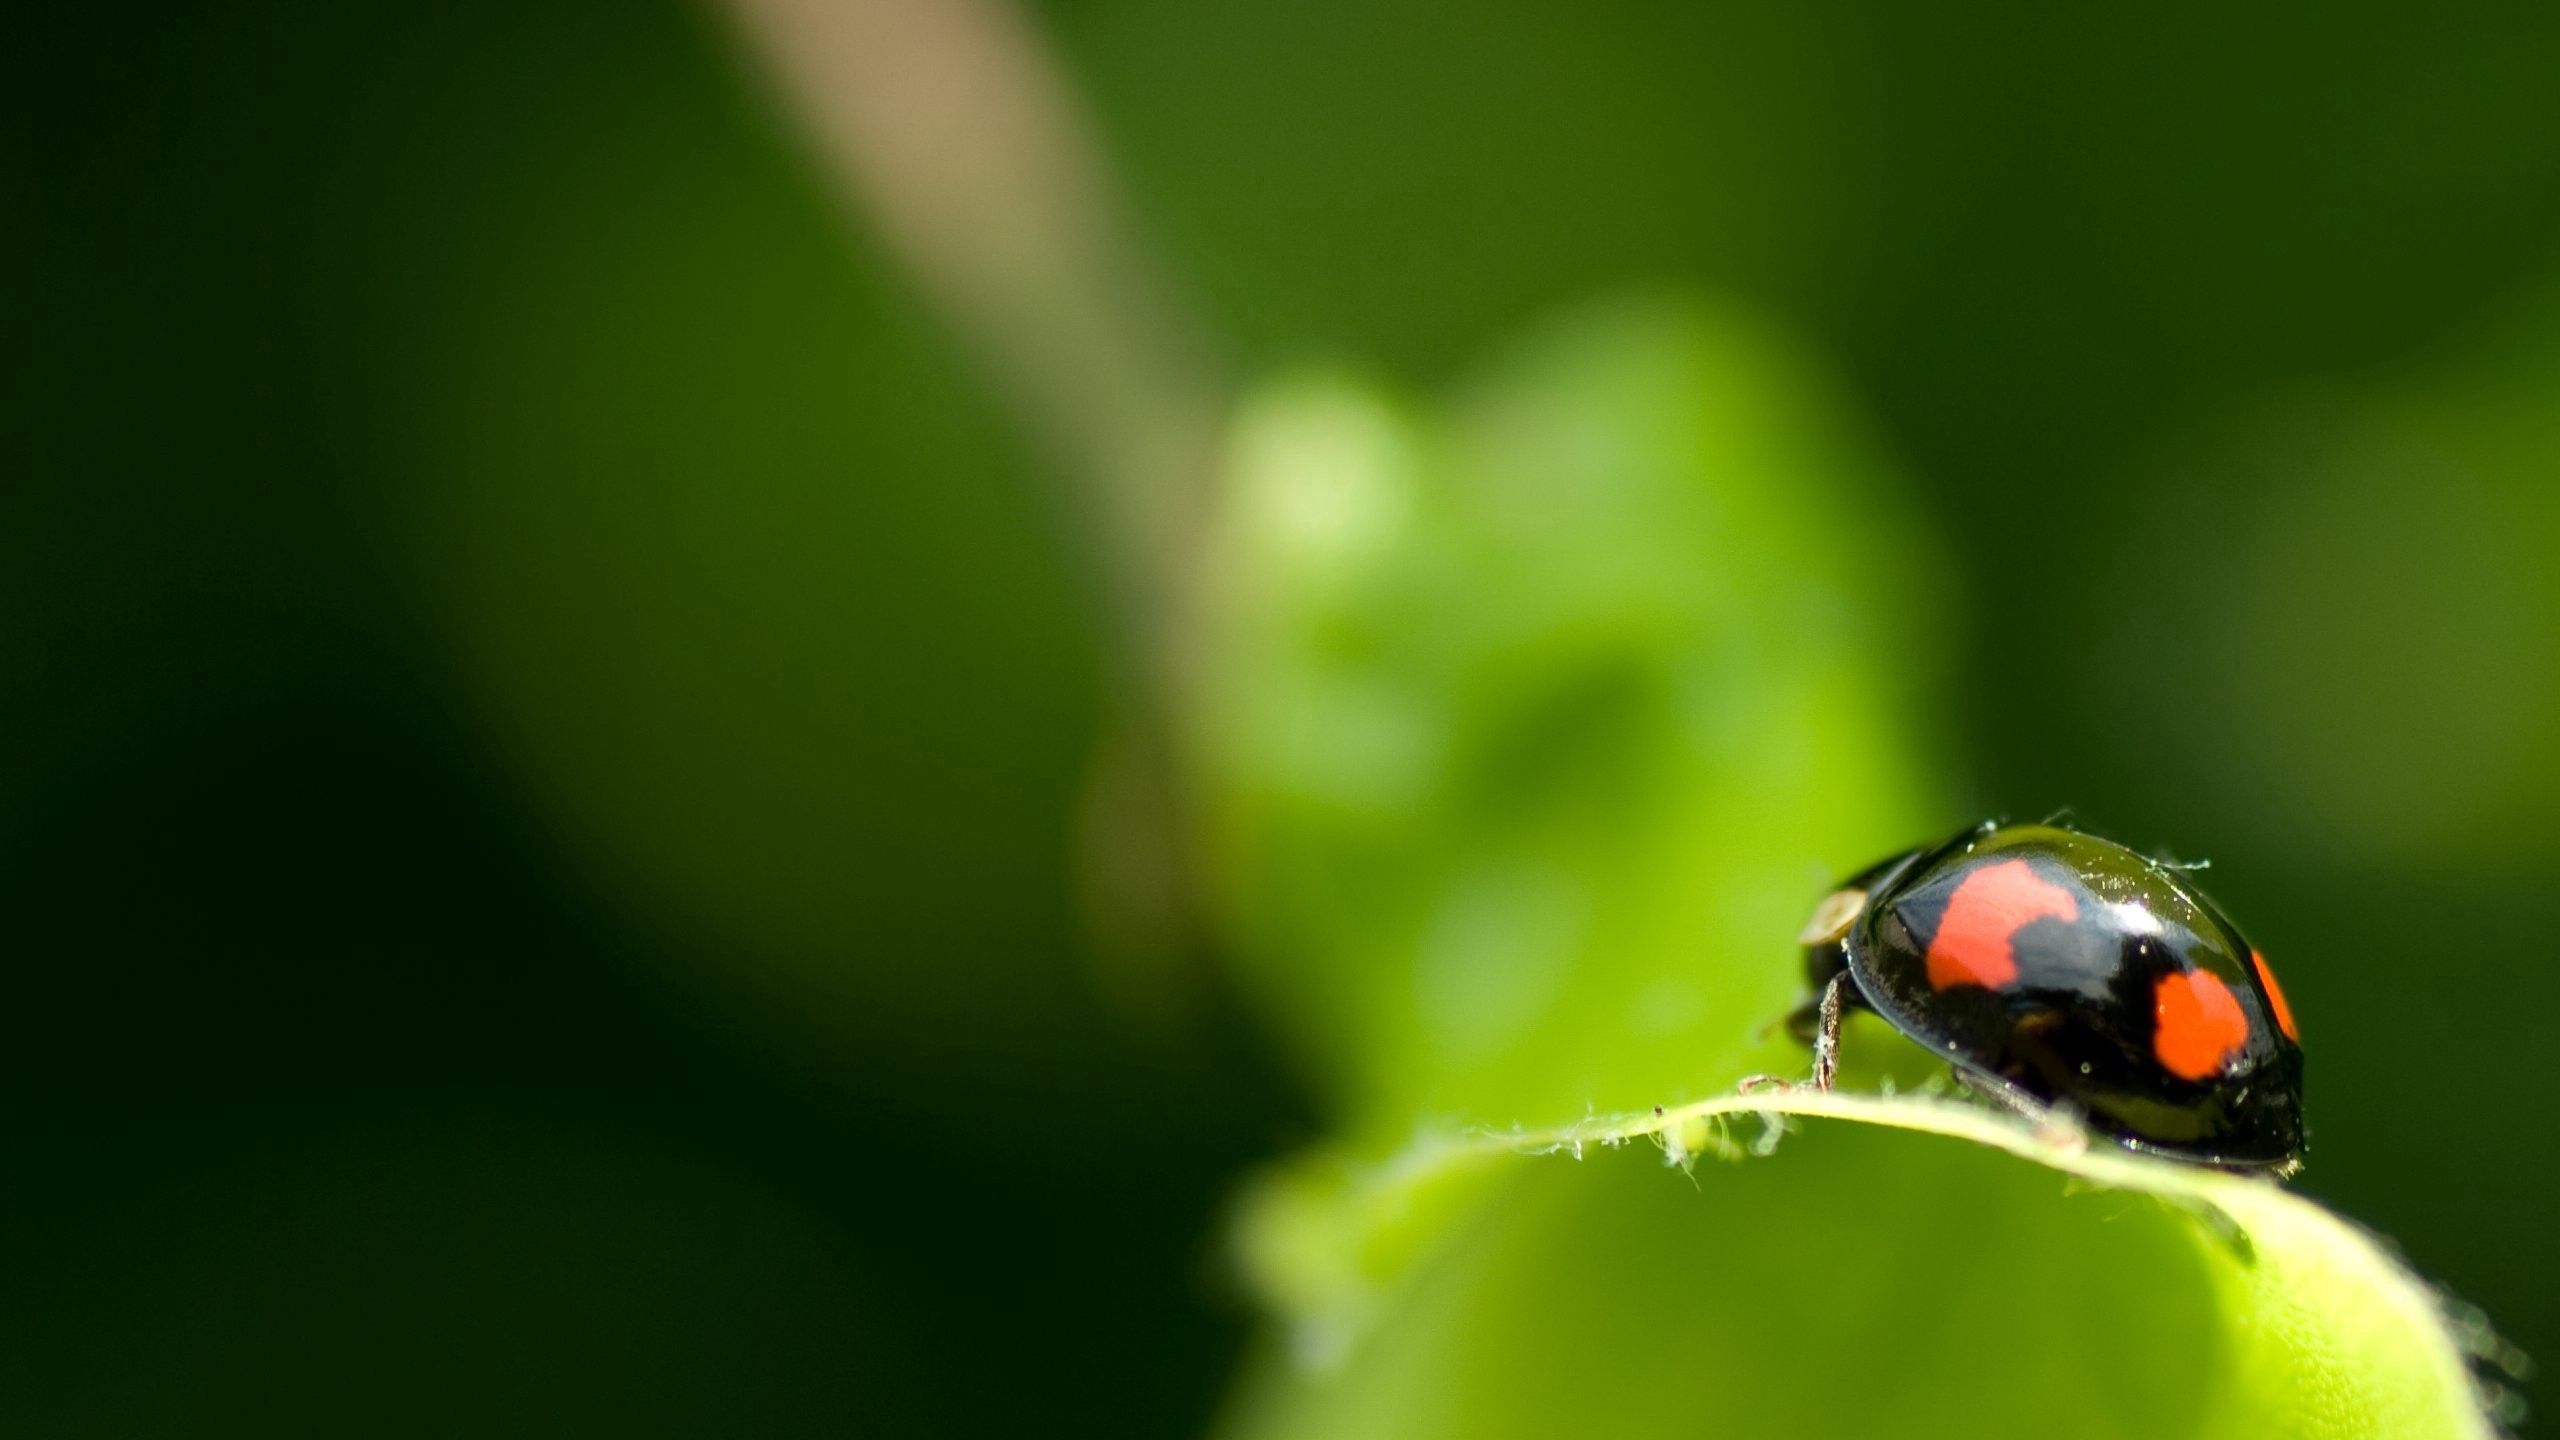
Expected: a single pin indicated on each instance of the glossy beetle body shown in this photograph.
(2059, 969)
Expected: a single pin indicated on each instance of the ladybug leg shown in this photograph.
(1816, 1023)
(1826, 1034)
(2009, 1097)
(2056, 1122)
(1824, 967)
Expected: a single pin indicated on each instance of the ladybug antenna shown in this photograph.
(2171, 862)
(2058, 816)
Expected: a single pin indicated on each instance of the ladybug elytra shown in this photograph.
(2058, 970)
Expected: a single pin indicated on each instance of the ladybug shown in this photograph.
(2059, 971)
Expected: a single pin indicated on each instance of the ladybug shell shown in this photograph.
(2070, 969)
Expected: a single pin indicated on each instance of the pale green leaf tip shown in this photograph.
(2347, 1334)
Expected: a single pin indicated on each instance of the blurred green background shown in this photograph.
(544, 707)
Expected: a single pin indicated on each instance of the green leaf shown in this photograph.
(1529, 725)
(1933, 1269)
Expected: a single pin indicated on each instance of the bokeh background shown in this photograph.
(546, 703)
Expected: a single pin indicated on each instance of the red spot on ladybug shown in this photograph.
(2199, 1024)
(2275, 996)
(1989, 907)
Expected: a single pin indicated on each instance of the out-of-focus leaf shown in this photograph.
(1530, 726)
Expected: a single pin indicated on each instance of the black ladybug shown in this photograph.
(2059, 970)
